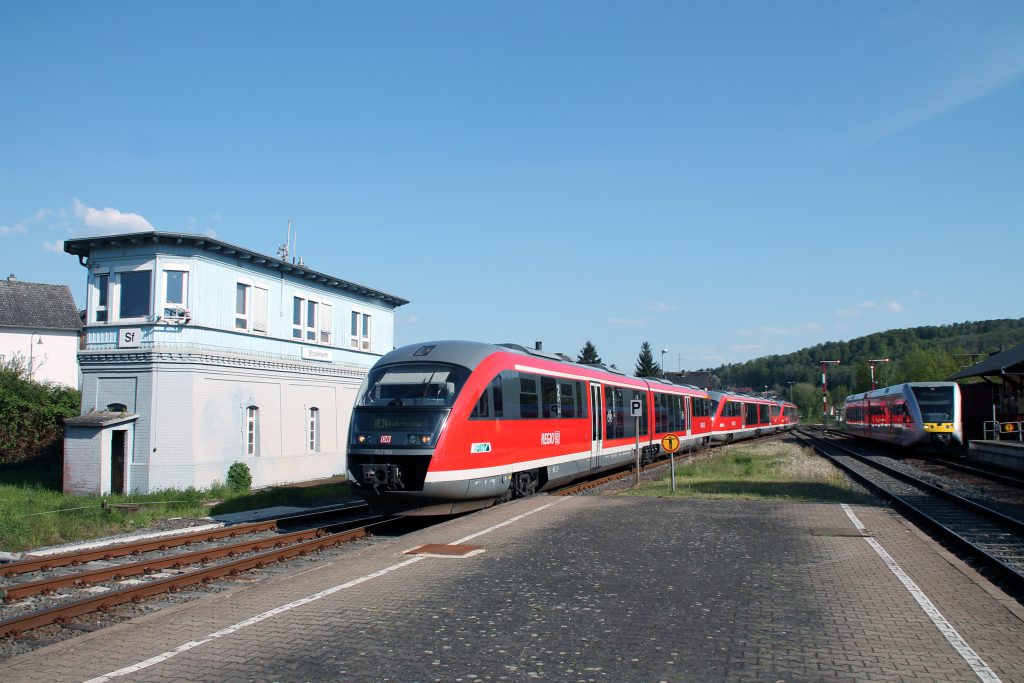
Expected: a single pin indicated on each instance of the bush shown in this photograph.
(32, 413)
(239, 477)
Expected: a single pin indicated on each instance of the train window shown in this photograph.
(570, 399)
(763, 412)
(669, 413)
(549, 396)
(701, 407)
(750, 416)
(615, 413)
(499, 404)
(413, 384)
(529, 396)
(482, 409)
(776, 411)
(491, 397)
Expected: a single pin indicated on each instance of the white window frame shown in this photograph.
(362, 339)
(186, 271)
(313, 429)
(94, 297)
(251, 430)
(114, 302)
(321, 331)
(245, 317)
(326, 323)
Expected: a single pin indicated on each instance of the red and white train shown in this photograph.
(450, 426)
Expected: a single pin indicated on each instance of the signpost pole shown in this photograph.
(636, 429)
(672, 465)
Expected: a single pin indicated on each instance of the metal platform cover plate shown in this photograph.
(439, 550)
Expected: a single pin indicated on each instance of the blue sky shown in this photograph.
(723, 180)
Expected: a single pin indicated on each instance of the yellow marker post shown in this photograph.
(670, 442)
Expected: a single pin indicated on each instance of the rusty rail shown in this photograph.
(24, 590)
(62, 613)
(34, 564)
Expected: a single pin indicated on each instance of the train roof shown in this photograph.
(470, 354)
(896, 389)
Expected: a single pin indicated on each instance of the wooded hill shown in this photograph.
(918, 354)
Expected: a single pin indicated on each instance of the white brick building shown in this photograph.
(221, 354)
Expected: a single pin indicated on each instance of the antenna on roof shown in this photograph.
(295, 244)
(282, 249)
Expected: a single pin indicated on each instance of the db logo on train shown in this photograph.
(670, 442)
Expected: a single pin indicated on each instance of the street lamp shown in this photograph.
(790, 383)
(663, 352)
(871, 364)
(824, 393)
(766, 391)
(31, 346)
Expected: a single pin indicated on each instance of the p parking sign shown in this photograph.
(636, 408)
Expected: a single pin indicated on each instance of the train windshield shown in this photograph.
(936, 403)
(433, 385)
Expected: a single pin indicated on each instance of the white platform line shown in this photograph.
(192, 644)
(955, 639)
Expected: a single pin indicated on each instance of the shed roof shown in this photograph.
(1004, 362)
(82, 247)
(38, 306)
(100, 419)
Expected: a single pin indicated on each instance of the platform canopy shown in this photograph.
(1009, 362)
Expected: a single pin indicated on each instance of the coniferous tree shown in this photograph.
(588, 355)
(645, 364)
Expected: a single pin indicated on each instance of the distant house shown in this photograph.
(40, 325)
(199, 354)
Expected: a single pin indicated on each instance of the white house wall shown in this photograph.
(55, 360)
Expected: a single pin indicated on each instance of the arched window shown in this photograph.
(314, 429)
(117, 408)
(252, 430)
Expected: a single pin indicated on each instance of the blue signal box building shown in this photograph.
(198, 354)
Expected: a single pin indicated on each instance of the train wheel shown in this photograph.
(524, 484)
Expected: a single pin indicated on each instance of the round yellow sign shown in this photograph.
(670, 442)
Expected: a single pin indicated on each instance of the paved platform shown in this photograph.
(589, 589)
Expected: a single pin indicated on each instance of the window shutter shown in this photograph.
(259, 310)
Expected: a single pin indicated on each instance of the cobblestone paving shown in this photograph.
(591, 589)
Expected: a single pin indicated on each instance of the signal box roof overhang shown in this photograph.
(83, 247)
(1009, 362)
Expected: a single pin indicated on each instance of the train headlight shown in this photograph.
(419, 439)
(361, 438)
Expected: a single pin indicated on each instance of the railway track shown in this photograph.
(992, 538)
(74, 584)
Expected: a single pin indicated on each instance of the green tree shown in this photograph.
(588, 355)
(32, 413)
(645, 364)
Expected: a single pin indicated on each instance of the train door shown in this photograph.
(596, 424)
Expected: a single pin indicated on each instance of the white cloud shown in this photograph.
(16, 229)
(627, 321)
(766, 330)
(660, 307)
(981, 75)
(745, 347)
(56, 246)
(891, 306)
(110, 220)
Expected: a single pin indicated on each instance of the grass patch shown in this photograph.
(301, 496)
(34, 513)
(763, 471)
